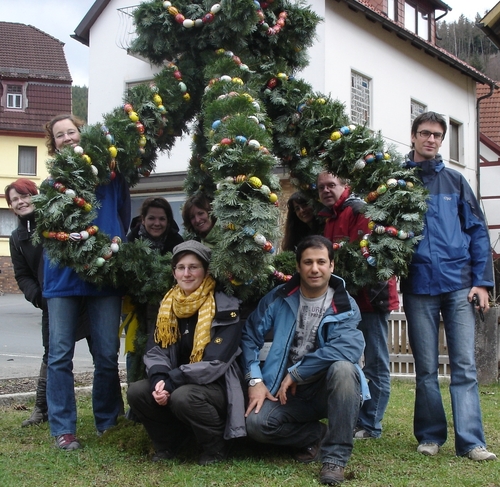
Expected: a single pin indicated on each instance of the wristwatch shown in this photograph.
(254, 382)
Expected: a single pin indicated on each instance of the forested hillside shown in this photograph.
(80, 96)
(468, 42)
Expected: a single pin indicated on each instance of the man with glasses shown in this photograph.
(345, 221)
(450, 267)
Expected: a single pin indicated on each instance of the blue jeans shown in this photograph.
(104, 317)
(422, 314)
(377, 371)
(336, 396)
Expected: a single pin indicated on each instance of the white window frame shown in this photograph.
(360, 98)
(417, 20)
(24, 160)
(392, 10)
(8, 222)
(14, 101)
(416, 109)
(455, 141)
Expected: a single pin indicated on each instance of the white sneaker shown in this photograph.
(361, 434)
(480, 453)
(429, 449)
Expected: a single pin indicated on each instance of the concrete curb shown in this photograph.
(23, 397)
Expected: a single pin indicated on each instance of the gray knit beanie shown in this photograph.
(193, 246)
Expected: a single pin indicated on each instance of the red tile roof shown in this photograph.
(27, 52)
(489, 113)
(36, 59)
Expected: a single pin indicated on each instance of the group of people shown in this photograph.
(204, 374)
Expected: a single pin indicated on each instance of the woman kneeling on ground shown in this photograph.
(194, 383)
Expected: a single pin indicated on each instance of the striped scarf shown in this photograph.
(175, 305)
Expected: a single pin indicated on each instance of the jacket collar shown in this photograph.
(340, 302)
(332, 211)
(26, 226)
(426, 169)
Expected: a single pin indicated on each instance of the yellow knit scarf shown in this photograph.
(175, 305)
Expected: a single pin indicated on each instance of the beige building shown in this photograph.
(35, 85)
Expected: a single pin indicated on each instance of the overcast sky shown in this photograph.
(59, 18)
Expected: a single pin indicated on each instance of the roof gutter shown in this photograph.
(417, 42)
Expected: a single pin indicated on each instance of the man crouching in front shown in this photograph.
(311, 370)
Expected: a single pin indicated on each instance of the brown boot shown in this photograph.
(331, 474)
(39, 414)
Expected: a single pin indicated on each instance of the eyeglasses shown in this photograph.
(330, 186)
(190, 268)
(425, 134)
(70, 133)
(22, 197)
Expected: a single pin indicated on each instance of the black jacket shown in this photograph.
(167, 244)
(28, 261)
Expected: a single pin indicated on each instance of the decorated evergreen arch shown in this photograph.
(232, 68)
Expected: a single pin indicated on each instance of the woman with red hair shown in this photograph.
(28, 271)
(27, 260)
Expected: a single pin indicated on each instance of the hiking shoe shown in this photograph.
(361, 434)
(211, 458)
(312, 452)
(331, 474)
(429, 449)
(67, 442)
(162, 455)
(480, 453)
(37, 417)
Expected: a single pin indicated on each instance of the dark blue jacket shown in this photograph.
(455, 251)
(113, 218)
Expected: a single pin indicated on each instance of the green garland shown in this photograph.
(235, 76)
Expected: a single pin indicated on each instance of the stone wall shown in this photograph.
(486, 346)
(8, 284)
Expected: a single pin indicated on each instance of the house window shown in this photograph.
(8, 222)
(455, 138)
(392, 9)
(410, 18)
(416, 110)
(417, 20)
(15, 97)
(360, 99)
(133, 84)
(423, 29)
(27, 161)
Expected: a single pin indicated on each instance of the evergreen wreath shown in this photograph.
(231, 67)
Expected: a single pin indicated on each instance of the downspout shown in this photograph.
(478, 169)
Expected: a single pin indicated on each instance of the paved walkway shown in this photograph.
(21, 340)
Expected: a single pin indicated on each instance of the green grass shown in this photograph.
(122, 456)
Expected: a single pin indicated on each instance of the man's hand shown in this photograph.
(160, 395)
(482, 295)
(256, 397)
(288, 383)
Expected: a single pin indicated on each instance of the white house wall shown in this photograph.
(111, 68)
(490, 193)
(399, 73)
(346, 40)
